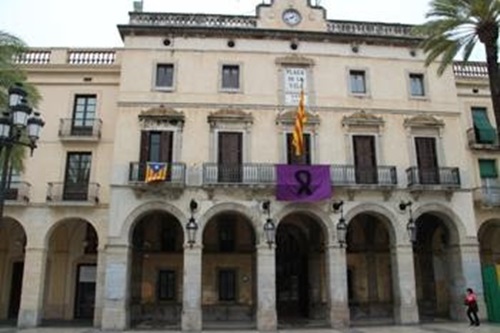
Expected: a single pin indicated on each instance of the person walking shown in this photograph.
(471, 302)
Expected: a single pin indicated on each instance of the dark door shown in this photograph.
(76, 182)
(427, 160)
(291, 274)
(16, 285)
(156, 146)
(230, 157)
(292, 158)
(365, 161)
(85, 292)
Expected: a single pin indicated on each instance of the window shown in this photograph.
(156, 146)
(230, 77)
(484, 132)
(365, 159)
(427, 160)
(227, 285)
(83, 115)
(417, 85)
(76, 182)
(166, 285)
(230, 157)
(164, 76)
(357, 80)
(487, 169)
(226, 236)
(305, 158)
(168, 236)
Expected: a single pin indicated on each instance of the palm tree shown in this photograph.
(455, 26)
(11, 73)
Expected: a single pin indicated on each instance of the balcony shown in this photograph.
(76, 57)
(350, 176)
(488, 196)
(18, 192)
(176, 174)
(485, 139)
(80, 130)
(433, 178)
(239, 174)
(73, 193)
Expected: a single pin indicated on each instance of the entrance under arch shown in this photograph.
(301, 295)
(369, 270)
(156, 273)
(71, 274)
(12, 244)
(228, 272)
(434, 267)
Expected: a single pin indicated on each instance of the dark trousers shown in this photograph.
(472, 314)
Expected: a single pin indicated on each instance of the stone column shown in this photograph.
(115, 312)
(337, 286)
(31, 309)
(404, 285)
(99, 287)
(191, 291)
(267, 319)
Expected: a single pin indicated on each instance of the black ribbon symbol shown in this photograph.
(304, 178)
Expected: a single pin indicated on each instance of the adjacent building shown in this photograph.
(210, 101)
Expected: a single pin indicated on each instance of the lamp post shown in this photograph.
(192, 226)
(19, 126)
(269, 227)
(341, 225)
(411, 228)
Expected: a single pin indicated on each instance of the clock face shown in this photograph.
(291, 17)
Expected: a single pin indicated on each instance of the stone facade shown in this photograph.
(215, 97)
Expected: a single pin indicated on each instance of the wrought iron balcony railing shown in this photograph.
(18, 192)
(440, 177)
(73, 192)
(176, 173)
(349, 175)
(483, 139)
(246, 174)
(80, 129)
(488, 195)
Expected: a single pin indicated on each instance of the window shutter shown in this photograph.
(166, 146)
(484, 131)
(144, 148)
(487, 169)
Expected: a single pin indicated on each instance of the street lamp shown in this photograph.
(411, 228)
(19, 126)
(341, 225)
(269, 227)
(192, 226)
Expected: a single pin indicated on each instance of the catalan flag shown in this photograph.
(155, 172)
(298, 129)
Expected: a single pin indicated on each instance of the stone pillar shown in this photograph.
(191, 294)
(31, 309)
(115, 312)
(337, 286)
(99, 287)
(267, 319)
(466, 273)
(404, 285)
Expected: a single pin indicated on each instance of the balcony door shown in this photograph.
(427, 160)
(291, 157)
(76, 180)
(365, 159)
(230, 157)
(84, 109)
(156, 146)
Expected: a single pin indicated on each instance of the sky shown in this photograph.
(92, 23)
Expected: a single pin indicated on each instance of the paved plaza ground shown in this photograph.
(424, 328)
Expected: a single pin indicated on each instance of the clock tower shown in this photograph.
(291, 14)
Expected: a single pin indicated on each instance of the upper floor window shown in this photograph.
(84, 113)
(226, 236)
(156, 146)
(168, 237)
(230, 77)
(357, 81)
(417, 87)
(292, 158)
(484, 132)
(76, 180)
(164, 76)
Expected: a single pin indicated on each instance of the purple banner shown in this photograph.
(303, 182)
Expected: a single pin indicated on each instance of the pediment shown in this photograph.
(362, 118)
(288, 117)
(162, 114)
(423, 120)
(230, 116)
(294, 60)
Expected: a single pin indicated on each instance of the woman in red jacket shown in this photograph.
(471, 302)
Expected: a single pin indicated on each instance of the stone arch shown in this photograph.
(386, 217)
(451, 220)
(49, 232)
(10, 226)
(312, 211)
(140, 211)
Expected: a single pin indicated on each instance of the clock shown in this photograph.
(291, 17)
